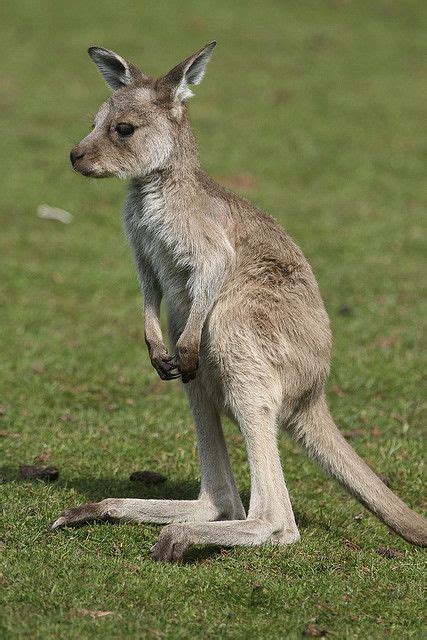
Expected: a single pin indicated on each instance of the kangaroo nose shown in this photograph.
(75, 155)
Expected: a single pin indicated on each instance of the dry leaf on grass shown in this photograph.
(37, 368)
(386, 342)
(42, 458)
(351, 545)
(337, 391)
(157, 387)
(96, 614)
(66, 417)
(53, 213)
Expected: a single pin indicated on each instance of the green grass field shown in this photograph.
(316, 111)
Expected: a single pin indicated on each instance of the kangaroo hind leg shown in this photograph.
(270, 517)
(218, 498)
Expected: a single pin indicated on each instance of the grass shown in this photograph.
(318, 107)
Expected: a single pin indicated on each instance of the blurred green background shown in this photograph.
(316, 111)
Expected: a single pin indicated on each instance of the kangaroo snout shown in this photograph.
(76, 154)
(85, 159)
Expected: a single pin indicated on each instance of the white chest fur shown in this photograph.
(154, 235)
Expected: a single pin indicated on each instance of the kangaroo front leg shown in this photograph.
(270, 517)
(160, 359)
(218, 496)
(205, 284)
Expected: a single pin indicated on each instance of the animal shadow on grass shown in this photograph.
(93, 489)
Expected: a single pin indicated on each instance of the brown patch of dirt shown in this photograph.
(314, 632)
(338, 391)
(388, 552)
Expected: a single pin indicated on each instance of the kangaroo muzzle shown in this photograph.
(76, 154)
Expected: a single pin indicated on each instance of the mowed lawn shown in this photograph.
(316, 111)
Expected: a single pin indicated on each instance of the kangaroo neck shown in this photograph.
(177, 185)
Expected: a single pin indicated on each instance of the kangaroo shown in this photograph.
(248, 332)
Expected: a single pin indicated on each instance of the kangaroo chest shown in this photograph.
(154, 238)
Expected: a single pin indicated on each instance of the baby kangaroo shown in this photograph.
(247, 327)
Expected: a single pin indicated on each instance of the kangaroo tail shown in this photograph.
(317, 433)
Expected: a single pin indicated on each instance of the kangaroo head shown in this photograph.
(143, 124)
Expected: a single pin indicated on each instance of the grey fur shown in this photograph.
(246, 321)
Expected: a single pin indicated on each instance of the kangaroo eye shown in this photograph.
(125, 129)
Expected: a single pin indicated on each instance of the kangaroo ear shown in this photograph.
(117, 71)
(189, 71)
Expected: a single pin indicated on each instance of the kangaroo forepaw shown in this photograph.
(187, 359)
(166, 366)
(171, 545)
